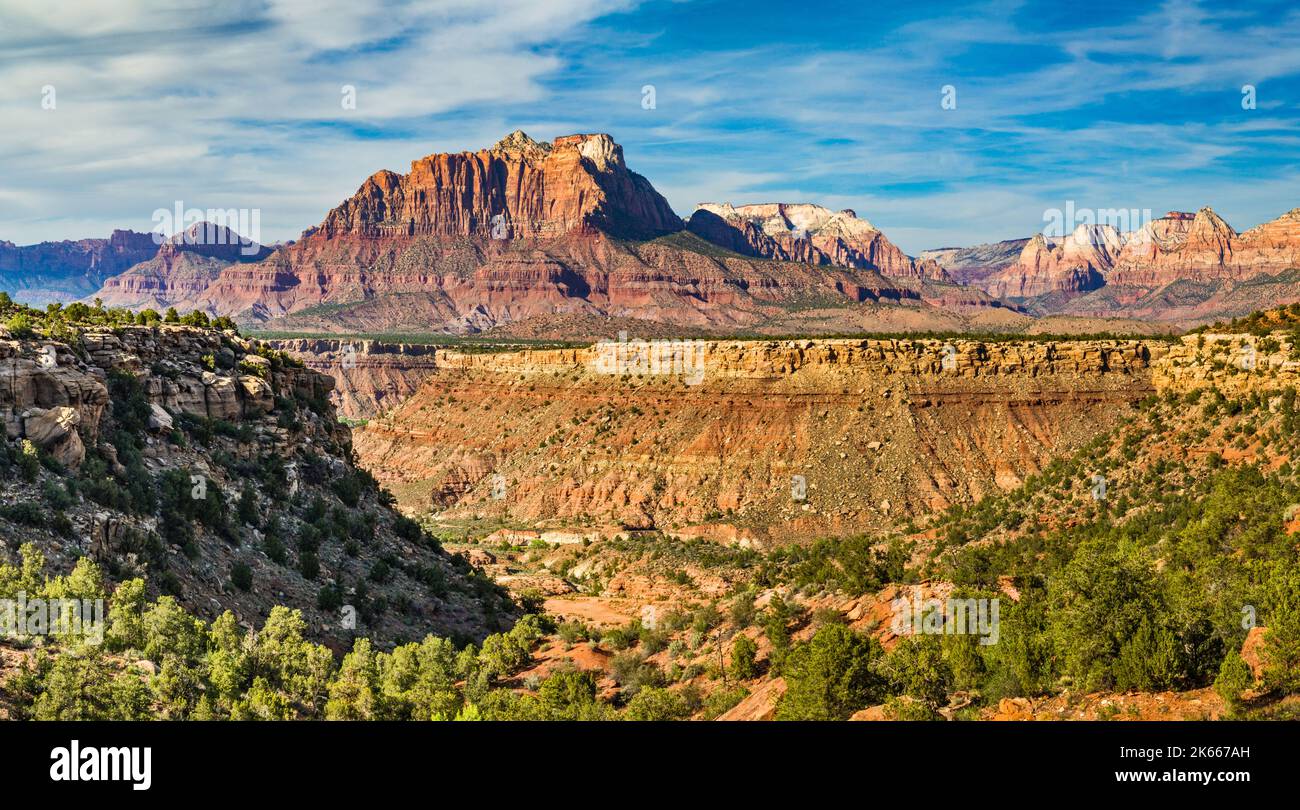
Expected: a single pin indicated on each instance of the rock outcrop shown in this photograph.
(1182, 267)
(56, 395)
(801, 232)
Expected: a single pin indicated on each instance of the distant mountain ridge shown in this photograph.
(536, 235)
(184, 266)
(1179, 267)
(527, 231)
(971, 265)
(67, 270)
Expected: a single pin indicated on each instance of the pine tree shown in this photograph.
(743, 653)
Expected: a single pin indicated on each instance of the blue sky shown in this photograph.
(236, 104)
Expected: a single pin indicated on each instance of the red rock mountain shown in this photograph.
(529, 231)
(1075, 264)
(517, 189)
(184, 267)
(810, 234)
(64, 271)
(1194, 268)
(542, 238)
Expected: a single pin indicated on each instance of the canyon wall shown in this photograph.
(754, 442)
(370, 376)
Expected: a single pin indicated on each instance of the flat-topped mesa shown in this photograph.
(803, 232)
(680, 430)
(518, 188)
(920, 359)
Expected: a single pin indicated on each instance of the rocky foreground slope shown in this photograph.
(750, 442)
(216, 469)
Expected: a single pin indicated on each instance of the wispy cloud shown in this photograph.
(239, 105)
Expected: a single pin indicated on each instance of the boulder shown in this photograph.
(258, 397)
(221, 397)
(159, 419)
(54, 430)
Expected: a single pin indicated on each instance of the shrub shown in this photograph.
(831, 676)
(743, 653)
(656, 704)
(241, 575)
(1234, 678)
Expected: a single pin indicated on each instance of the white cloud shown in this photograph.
(238, 104)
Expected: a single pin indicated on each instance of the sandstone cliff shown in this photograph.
(1072, 265)
(518, 188)
(707, 438)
